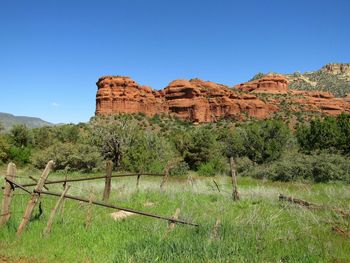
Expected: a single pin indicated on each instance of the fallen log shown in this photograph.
(298, 201)
(311, 205)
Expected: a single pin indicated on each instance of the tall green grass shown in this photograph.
(259, 228)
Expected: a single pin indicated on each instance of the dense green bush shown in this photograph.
(207, 169)
(43, 137)
(331, 134)
(20, 135)
(179, 169)
(213, 167)
(4, 150)
(296, 166)
(261, 141)
(20, 155)
(331, 167)
(244, 164)
(197, 146)
(68, 156)
(148, 153)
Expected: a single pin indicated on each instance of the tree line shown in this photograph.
(317, 150)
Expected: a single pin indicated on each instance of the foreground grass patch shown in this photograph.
(258, 228)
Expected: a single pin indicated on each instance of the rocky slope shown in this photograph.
(204, 101)
(334, 78)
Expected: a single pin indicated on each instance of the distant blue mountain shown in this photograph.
(8, 121)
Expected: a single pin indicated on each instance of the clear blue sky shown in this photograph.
(53, 52)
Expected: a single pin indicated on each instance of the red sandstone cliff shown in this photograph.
(194, 100)
(204, 101)
(123, 95)
(271, 84)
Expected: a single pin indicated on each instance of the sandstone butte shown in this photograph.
(204, 101)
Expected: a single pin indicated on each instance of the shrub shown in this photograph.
(206, 169)
(265, 141)
(148, 153)
(197, 147)
(244, 164)
(213, 167)
(331, 167)
(296, 166)
(20, 155)
(69, 157)
(179, 169)
(4, 150)
(331, 134)
(261, 142)
(19, 135)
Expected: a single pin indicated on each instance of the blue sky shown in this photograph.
(53, 52)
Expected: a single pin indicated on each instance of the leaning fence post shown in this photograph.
(235, 194)
(7, 195)
(107, 191)
(34, 198)
(172, 224)
(54, 210)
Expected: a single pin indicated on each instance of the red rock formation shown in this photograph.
(194, 100)
(309, 101)
(272, 84)
(317, 101)
(123, 95)
(204, 101)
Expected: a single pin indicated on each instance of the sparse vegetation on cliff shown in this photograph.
(320, 81)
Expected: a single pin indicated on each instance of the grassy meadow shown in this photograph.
(258, 228)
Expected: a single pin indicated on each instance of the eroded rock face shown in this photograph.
(204, 101)
(338, 69)
(123, 95)
(318, 101)
(271, 84)
(194, 100)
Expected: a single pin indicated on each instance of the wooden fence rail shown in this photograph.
(38, 192)
(91, 178)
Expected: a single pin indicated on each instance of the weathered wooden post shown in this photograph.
(89, 211)
(235, 194)
(170, 164)
(138, 181)
(172, 224)
(190, 180)
(165, 179)
(107, 190)
(35, 197)
(36, 180)
(7, 195)
(54, 210)
(215, 234)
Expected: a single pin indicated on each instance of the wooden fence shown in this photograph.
(11, 185)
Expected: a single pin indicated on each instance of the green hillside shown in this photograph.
(8, 120)
(322, 81)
